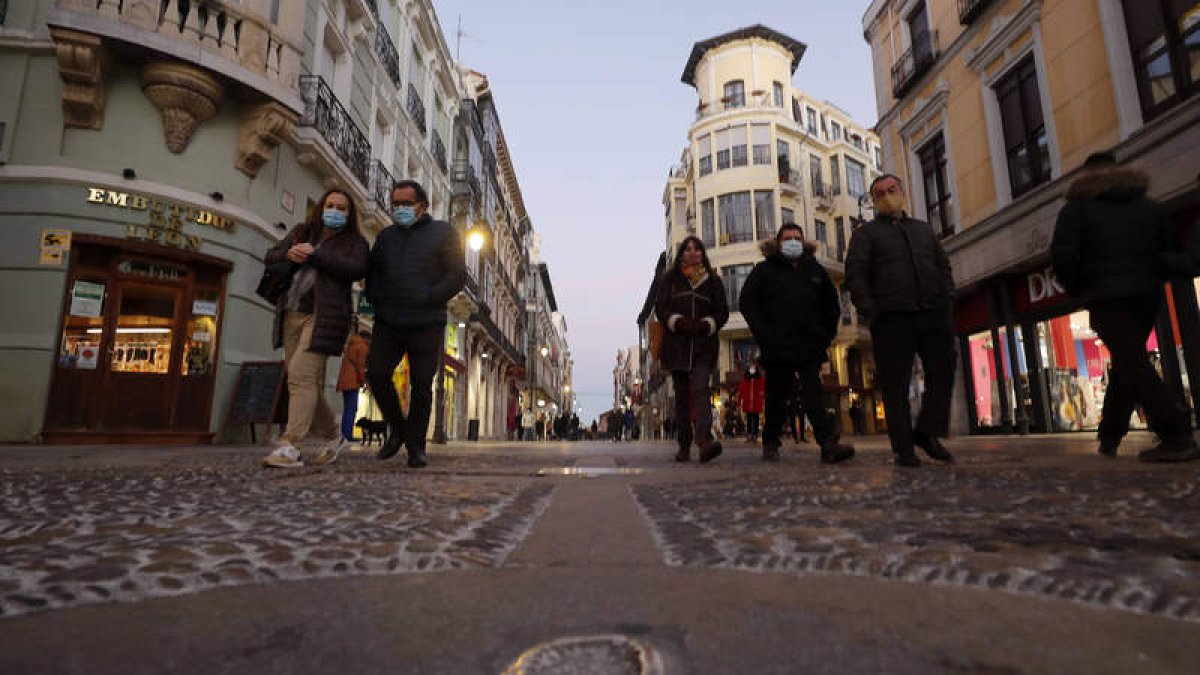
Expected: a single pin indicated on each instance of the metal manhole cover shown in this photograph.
(588, 655)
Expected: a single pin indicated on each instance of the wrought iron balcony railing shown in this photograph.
(381, 185)
(385, 49)
(915, 62)
(969, 10)
(323, 112)
(416, 108)
(439, 150)
(463, 180)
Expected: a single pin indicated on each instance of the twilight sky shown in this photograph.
(595, 114)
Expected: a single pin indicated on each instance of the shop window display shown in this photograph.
(988, 409)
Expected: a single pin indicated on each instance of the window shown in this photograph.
(735, 94)
(273, 15)
(782, 150)
(705, 144)
(878, 159)
(795, 110)
(777, 89)
(835, 130)
(764, 214)
(835, 175)
(738, 137)
(937, 188)
(818, 182)
(1026, 146)
(722, 149)
(788, 215)
(839, 232)
(708, 224)
(735, 217)
(812, 121)
(856, 179)
(734, 277)
(761, 137)
(922, 39)
(1164, 38)
(856, 141)
(821, 234)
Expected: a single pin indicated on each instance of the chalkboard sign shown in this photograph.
(256, 396)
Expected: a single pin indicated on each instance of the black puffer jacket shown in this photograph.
(792, 309)
(414, 272)
(339, 261)
(676, 298)
(897, 265)
(1110, 240)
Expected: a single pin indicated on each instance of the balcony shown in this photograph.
(385, 49)
(324, 113)
(914, 63)
(439, 150)
(416, 108)
(463, 180)
(823, 197)
(790, 180)
(381, 186)
(969, 10)
(257, 53)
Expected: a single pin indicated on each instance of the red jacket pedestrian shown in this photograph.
(752, 391)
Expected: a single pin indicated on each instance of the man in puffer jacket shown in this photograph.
(1111, 247)
(792, 309)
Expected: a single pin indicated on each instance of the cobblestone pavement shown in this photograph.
(120, 534)
(1115, 535)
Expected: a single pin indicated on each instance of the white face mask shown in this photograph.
(791, 248)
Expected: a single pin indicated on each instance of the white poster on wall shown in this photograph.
(87, 299)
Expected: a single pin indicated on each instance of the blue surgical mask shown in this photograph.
(333, 218)
(791, 248)
(404, 216)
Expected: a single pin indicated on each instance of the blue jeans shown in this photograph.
(349, 410)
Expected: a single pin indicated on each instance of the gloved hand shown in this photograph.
(687, 327)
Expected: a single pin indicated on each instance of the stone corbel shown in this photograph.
(81, 62)
(263, 128)
(185, 95)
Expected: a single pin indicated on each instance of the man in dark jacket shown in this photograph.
(1110, 249)
(900, 280)
(792, 309)
(417, 266)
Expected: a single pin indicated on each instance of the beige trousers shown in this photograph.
(307, 408)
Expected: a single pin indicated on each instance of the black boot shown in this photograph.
(833, 452)
(417, 458)
(932, 447)
(770, 452)
(709, 450)
(391, 446)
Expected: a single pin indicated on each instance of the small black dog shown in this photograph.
(372, 429)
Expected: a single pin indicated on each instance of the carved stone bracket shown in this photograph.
(263, 127)
(185, 95)
(81, 63)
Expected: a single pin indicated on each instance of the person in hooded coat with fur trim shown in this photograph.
(690, 301)
(1111, 249)
(792, 309)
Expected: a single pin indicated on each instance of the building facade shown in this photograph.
(988, 109)
(761, 153)
(152, 152)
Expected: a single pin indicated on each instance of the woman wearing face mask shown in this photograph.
(690, 300)
(312, 320)
(792, 309)
(752, 392)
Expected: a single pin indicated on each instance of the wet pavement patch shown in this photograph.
(589, 655)
(586, 471)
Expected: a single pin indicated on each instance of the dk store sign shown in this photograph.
(165, 220)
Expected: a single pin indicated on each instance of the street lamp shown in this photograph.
(476, 240)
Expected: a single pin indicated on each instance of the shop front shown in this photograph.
(1033, 362)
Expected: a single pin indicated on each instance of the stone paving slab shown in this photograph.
(99, 535)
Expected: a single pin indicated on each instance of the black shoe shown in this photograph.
(684, 454)
(770, 453)
(390, 447)
(933, 447)
(710, 452)
(836, 452)
(1177, 451)
(417, 458)
(1108, 446)
(907, 460)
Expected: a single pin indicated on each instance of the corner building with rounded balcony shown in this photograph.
(761, 153)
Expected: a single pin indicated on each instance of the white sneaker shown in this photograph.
(284, 456)
(331, 450)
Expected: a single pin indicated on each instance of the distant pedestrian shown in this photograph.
(900, 280)
(417, 266)
(1109, 247)
(312, 319)
(351, 378)
(792, 309)
(629, 420)
(691, 302)
(858, 417)
(752, 392)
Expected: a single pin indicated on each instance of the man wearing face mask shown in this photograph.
(792, 309)
(417, 266)
(900, 280)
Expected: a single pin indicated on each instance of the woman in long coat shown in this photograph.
(690, 301)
